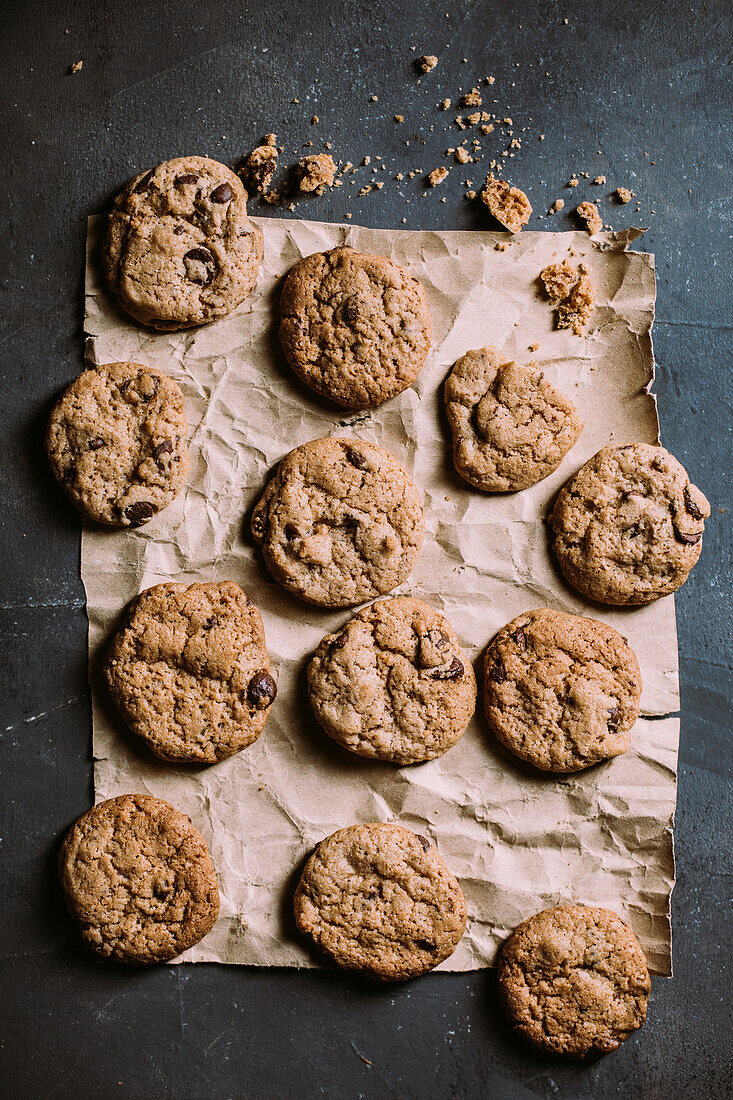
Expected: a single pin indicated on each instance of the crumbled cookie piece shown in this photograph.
(470, 195)
(507, 204)
(573, 312)
(427, 62)
(573, 182)
(472, 98)
(557, 206)
(487, 128)
(445, 105)
(259, 167)
(559, 280)
(77, 66)
(588, 212)
(599, 179)
(437, 176)
(474, 118)
(461, 155)
(399, 118)
(316, 172)
(623, 194)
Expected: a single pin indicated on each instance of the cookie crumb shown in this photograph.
(559, 280)
(599, 179)
(588, 212)
(314, 120)
(472, 98)
(316, 172)
(437, 176)
(487, 128)
(490, 79)
(499, 247)
(445, 105)
(76, 66)
(259, 167)
(507, 204)
(427, 62)
(557, 205)
(533, 347)
(470, 195)
(399, 118)
(461, 155)
(474, 118)
(573, 182)
(573, 312)
(373, 98)
(623, 194)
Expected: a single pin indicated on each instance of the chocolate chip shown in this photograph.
(423, 840)
(453, 672)
(356, 459)
(426, 945)
(496, 672)
(350, 313)
(188, 178)
(259, 524)
(163, 448)
(200, 266)
(178, 229)
(690, 505)
(96, 443)
(139, 511)
(613, 716)
(339, 641)
(144, 182)
(213, 620)
(261, 690)
(689, 540)
(291, 531)
(222, 193)
(634, 530)
(520, 638)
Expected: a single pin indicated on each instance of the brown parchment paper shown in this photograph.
(517, 841)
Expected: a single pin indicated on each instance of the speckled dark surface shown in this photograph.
(638, 93)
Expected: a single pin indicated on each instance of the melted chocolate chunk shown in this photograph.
(200, 266)
(497, 672)
(356, 459)
(453, 672)
(689, 540)
(144, 183)
(259, 524)
(222, 193)
(164, 448)
(189, 177)
(261, 690)
(96, 443)
(690, 505)
(423, 840)
(139, 512)
(520, 638)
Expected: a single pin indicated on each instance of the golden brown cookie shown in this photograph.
(628, 526)
(340, 522)
(378, 898)
(393, 684)
(355, 328)
(510, 427)
(573, 980)
(180, 249)
(138, 879)
(561, 691)
(189, 671)
(116, 442)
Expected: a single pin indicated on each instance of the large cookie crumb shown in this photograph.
(316, 172)
(588, 212)
(507, 204)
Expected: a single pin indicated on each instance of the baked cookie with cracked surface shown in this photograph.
(340, 522)
(510, 427)
(189, 671)
(355, 328)
(561, 691)
(138, 879)
(628, 527)
(573, 980)
(116, 442)
(393, 684)
(180, 250)
(379, 899)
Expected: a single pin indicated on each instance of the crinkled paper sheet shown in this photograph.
(518, 841)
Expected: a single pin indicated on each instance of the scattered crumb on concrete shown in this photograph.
(316, 172)
(437, 176)
(472, 98)
(314, 120)
(427, 62)
(623, 194)
(557, 205)
(461, 155)
(508, 204)
(487, 128)
(470, 195)
(573, 182)
(599, 179)
(588, 213)
(445, 105)
(399, 118)
(76, 66)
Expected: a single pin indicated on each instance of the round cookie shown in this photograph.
(628, 527)
(574, 980)
(138, 879)
(340, 522)
(355, 328)
(116, 442)
(378, 898)
(510, 427)
(180, 249)
(561, 691)
(189, 671)
(393, 684)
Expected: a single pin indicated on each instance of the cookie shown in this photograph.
(510, 427)
(189, 671)
(355, 328)
(379, 899)
(340, 522)
(628, 527)
(561, 691)
(573, 980)
(116, 442)
(180, 249)
(138, 879)
(393, 684)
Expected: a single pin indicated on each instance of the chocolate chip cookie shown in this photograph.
(510, 427)
(561, 691)
(393, 684)
(180, 249)
(628, 527)
(340, 522)
(189, 671)
(379, 899)
(573, 980)
(138, 879)
(116, 442)
(355, 328)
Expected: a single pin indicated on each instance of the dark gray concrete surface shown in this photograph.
(166, 78)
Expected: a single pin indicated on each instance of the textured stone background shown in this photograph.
(164, 79)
